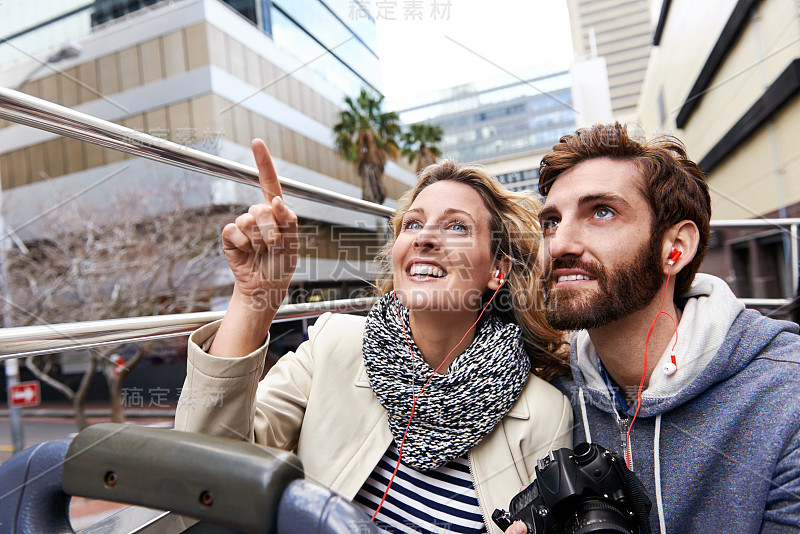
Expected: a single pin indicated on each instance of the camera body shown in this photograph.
(588, 490)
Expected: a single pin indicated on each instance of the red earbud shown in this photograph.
(674, 255)
(500, 276)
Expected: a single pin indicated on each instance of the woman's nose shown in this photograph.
(428, 237)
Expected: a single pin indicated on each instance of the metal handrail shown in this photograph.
(727, 223)
(45, 115)
(44, 339)
(19, 342)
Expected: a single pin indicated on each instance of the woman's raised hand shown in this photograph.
(261, 249)
(261, 246)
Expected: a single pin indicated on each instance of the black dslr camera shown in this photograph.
(586, 491)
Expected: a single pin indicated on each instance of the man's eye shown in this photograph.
(603, 213)
(549, 224)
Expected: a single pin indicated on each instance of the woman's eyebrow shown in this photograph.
(451, 211)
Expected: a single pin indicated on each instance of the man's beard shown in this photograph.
(622, 291)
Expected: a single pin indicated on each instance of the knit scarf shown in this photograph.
(456, 410)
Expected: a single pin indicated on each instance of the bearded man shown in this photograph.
(699, 395)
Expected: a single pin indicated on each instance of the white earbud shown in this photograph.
(669, 369)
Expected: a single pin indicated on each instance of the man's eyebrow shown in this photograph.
(602, 197)
(547, 212)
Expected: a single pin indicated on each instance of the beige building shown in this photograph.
(199, 73)
(619, 31)
(724, 77)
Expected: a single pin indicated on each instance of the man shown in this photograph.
(716, 440)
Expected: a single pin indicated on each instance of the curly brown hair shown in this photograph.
(516, 234)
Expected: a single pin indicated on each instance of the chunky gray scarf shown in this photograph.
(456, 410)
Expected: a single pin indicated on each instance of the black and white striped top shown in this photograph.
(442, 500)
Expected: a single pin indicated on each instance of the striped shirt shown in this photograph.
(438, 501)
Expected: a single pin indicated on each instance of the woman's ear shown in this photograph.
(683, 237)
(502, 270)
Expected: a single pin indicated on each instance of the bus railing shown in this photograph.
(23, 341)
(31, 340)
(44, 115)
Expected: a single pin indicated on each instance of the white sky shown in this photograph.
(423, 56)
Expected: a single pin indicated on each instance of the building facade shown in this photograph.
(725, 78)
(620, 31)
(507, 127)
(211, 75)
(207, 74)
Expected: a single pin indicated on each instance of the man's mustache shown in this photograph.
(593, 269)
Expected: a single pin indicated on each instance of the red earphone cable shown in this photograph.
(644, 371)
(417, 395)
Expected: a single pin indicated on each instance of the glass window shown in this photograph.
(289, 36)
(317, 20)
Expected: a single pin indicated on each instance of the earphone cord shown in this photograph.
(644, 370)
(416, 396)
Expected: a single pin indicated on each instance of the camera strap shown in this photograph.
(640, 503)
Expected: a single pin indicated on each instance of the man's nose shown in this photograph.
(565, 240)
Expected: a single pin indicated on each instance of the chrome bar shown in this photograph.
(32, 111)
(795, 259)
(138, 520)
(766, 303)
(22, 341)
(729, 223)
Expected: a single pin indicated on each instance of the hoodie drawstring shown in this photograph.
(657, 474)
(586, 432)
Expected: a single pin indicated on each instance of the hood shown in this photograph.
(717, 338)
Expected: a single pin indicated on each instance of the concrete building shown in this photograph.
(724, 77)
(507, 127)
(208, 74)
(619, 31)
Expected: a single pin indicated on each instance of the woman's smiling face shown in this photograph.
(442, 258)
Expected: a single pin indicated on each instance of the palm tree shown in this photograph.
(419, 143)
(367, 136)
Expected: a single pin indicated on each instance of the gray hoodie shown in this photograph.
(717, 444)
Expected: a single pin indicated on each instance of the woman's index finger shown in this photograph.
(267, 177)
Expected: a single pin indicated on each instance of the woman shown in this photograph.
(344, 400)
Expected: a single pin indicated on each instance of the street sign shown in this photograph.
(24, 394)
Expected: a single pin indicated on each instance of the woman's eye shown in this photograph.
(411, 224)
(459, 227)
(603, 213)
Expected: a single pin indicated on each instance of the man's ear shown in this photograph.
(684, 237)
(504, 266)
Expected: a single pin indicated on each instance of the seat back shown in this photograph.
(31, 497)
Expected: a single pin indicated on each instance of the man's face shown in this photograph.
(599, 260)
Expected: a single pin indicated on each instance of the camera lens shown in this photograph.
(584, 453)
(597, 516)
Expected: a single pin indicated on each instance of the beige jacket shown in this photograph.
(318, 403)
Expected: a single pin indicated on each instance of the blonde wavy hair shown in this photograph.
(515, 231)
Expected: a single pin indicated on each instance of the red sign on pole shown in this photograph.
(24, 394)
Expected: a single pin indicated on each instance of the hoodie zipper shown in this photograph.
(478, 492)
(622, 424)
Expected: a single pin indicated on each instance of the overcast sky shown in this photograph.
(471, 40)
